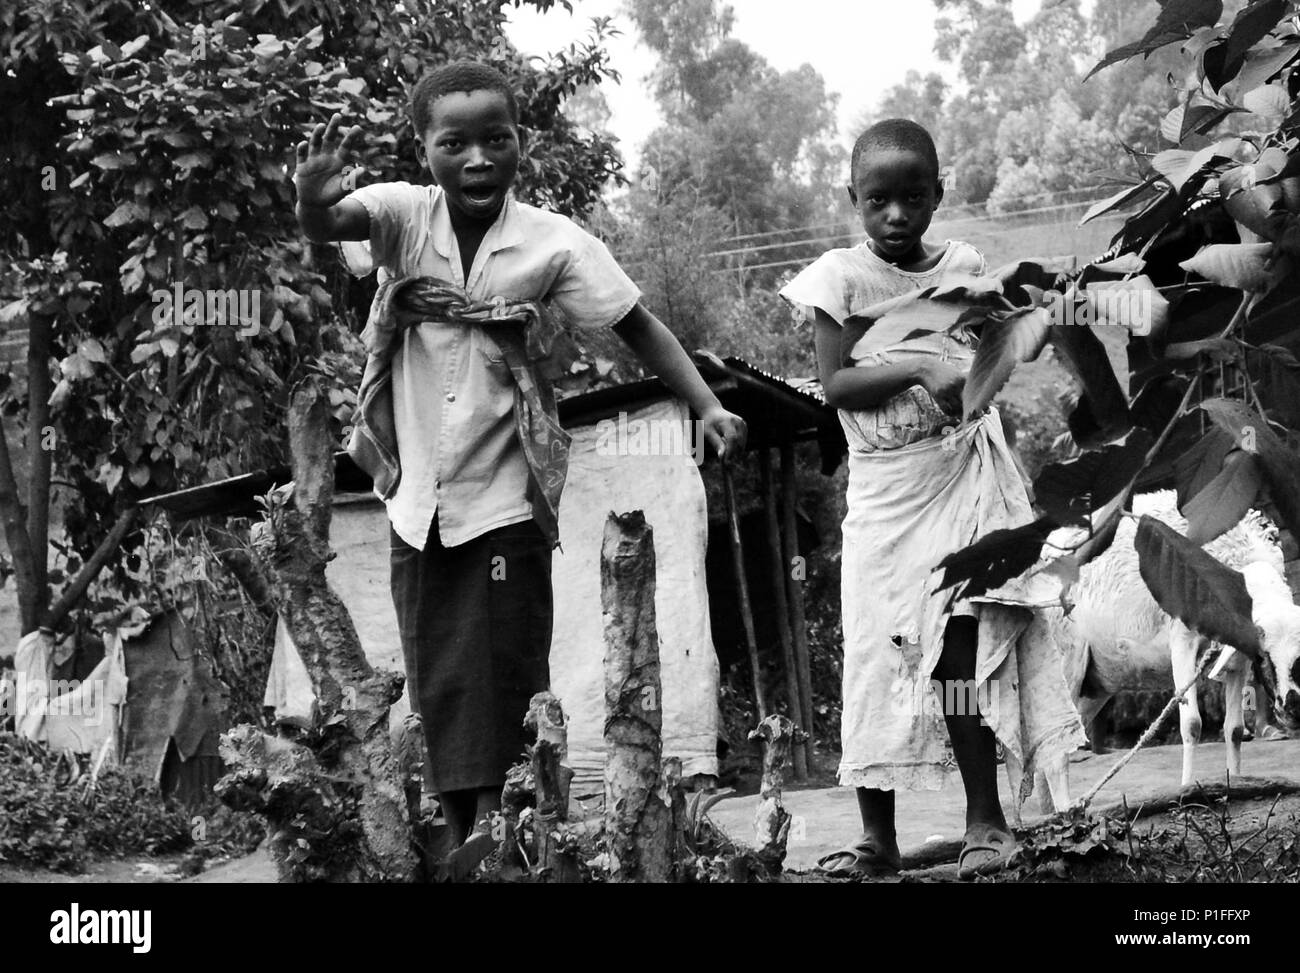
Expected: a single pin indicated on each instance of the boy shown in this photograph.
(915, 493)
(471, 544)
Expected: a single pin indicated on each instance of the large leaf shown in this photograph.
(1149, 221)
(1121, 198)
(1070, 492)
(1008, 339)
(993, 560)
(1281, 464)
(1194, 315)
(1261, 64)
(1223, 501)
(1193, 587)
(1251, 25)
(1240, 265)
(1196, 466)
(1085, 356)
(1276, 316)
(937, 308)
(1277, 383)
(1134, 304)
(1177, 21)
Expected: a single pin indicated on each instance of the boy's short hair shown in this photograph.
(464, 76)
(895, 133)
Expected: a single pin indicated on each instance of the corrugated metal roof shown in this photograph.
(776, 411)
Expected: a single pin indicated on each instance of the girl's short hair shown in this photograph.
(464, 76)
(894, 133)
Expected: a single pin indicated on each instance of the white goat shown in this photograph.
(1117, 637)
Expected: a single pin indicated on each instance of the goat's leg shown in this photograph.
(1234, 717)
(1015, 770)
(1183, 644)
(1090, 708)
(1056, 778)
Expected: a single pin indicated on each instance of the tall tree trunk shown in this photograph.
(39, 460)
(353, 772)
(16, 536)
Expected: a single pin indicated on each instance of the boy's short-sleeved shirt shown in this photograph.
(453, 394)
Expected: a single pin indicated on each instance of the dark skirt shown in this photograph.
(475, 623)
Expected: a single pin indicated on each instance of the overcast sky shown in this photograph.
(861, 48)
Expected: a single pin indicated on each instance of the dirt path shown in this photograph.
(826, 818)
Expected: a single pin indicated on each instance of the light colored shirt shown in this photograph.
(847, 281)
(453, 394)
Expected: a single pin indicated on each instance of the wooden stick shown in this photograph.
(742, 589)
(782, 608)
(638, 821)
(106, 549)
(798, 623)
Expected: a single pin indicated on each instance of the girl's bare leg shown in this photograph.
(972, 742)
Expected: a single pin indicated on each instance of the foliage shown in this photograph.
(148, 148)
(1201, 839)
(49, 821)
(1207, 290)
(1019, 127)
(745, 149)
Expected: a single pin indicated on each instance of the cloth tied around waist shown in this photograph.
(535, 349)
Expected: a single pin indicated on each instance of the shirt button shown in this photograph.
(451, 396)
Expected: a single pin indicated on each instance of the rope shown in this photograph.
(1120, 764)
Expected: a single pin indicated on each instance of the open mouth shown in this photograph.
(479, 195)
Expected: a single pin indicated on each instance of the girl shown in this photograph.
(921, 485)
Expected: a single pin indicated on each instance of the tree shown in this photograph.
(1017, 82)
(755, 142)
(1206, 269)
(148, 149)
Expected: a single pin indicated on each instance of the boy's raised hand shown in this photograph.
(318, 176)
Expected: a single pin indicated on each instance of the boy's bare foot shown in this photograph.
(869, 857)
(986, 848)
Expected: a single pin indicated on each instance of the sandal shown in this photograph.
(867, 858)
(985, 840)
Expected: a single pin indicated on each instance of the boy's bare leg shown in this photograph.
(458, 811)
(468, 810)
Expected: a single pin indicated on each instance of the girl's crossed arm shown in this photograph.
(866, 388)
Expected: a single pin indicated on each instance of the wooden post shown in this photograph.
(771, 820)
(555, 859)
(638, 820)
(798, 624)
(742, 588)
(782, 607)
(345, 799)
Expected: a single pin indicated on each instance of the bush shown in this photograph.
(51, 821)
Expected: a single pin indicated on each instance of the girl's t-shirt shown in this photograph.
(847, 281)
